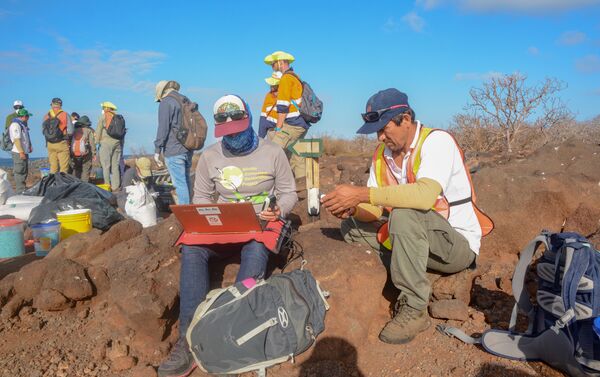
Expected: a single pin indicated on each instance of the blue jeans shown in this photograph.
(179, 169)
(195, 279)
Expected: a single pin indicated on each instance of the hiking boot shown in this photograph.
(180, 362)
(405, 325)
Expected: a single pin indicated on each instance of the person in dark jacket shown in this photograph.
(177, 157)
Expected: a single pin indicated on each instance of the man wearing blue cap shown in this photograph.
(418, 178)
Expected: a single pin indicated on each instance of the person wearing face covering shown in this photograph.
(177, 157)
(268, 114)
(240, 167)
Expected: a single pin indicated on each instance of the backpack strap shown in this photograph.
(458, 334)
(577, 260)
(520, 293)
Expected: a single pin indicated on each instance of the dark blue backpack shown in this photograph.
(560, 330)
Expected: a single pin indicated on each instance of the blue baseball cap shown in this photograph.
(384, 99)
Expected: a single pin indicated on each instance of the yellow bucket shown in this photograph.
(74, 221)
(104, 186)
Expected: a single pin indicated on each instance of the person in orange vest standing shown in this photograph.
(268, 114)
(418, 179)
(83, 148)
(111, 147)
(289, 125)
(57, 129)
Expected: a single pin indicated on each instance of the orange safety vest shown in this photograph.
(62, 117)
(108, 116)
(79, 143)
(384, 177)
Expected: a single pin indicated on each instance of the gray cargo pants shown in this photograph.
(420, 240)
(20, 171)
(110, 156)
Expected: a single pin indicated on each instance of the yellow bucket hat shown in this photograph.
(279, 55)
(108, 104)
(274, 79)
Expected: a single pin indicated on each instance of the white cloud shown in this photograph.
(414, 21)
(570, 38)
(100, 67)
(533, 51)
(115, 69)
(511, 6)
(391, 25)
(588, 64)
(476, 76)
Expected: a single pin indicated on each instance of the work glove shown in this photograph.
(158, 160)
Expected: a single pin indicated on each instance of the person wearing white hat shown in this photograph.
(177, 157)
(18, 104)
(19, 136)
(290, 126)
(240, 167)
(268, 114)
(110, 148)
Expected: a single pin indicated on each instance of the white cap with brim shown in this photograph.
(18, 103)
(274, 79)
(228, 103)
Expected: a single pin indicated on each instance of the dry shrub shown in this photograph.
(361, 145)
(475, 136)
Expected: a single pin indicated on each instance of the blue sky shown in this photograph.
(87, 52)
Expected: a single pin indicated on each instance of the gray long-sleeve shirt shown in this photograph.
(266, 169)
(169, 121)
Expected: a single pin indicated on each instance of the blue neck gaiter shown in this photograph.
(241, 143)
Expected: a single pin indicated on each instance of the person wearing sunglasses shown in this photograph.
(239, 167)
(177, 157)
(419, 181)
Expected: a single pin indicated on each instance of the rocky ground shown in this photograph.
(106, 304)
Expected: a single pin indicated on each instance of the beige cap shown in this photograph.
(162, 86)
(144, 166)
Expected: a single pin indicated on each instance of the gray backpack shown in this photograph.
(311, 108)
(255, 324)
(560, 330)
(5, 143)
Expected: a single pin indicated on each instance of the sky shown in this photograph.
(87, 52)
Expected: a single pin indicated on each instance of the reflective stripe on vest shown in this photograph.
(384, 177)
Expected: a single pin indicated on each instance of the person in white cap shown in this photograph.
(177, 157)
(17, 105)
(110, 149)
(290, 125)
(19, 136)
(240, 167)
(268, 114)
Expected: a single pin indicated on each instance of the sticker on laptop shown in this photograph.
(208, 210)
(213, 220)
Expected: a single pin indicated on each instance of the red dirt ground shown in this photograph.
(119, 318)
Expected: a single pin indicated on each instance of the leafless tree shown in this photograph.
(475, 134)
(508, 104)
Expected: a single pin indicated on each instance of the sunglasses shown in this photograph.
(234, 115)
(374, 116)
